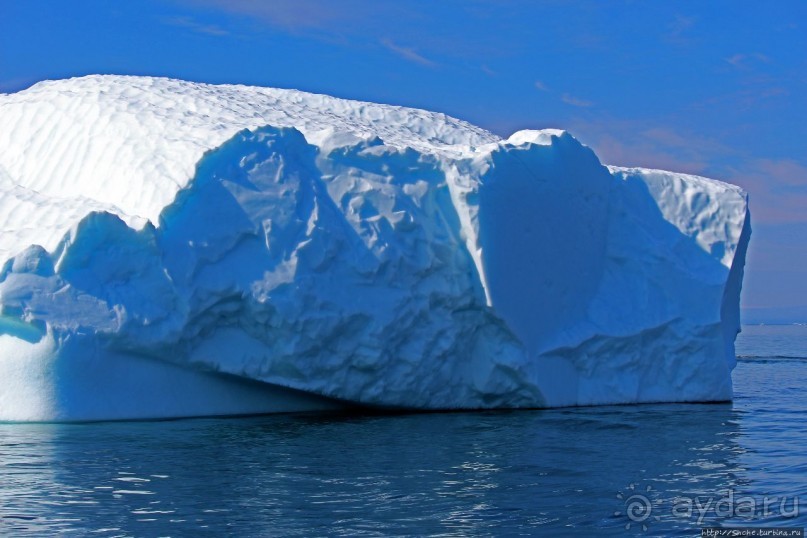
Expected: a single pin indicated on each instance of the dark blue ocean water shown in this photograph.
(652, 470)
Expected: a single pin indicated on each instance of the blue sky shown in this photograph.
(713, 88)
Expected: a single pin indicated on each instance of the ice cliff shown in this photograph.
(172, 249)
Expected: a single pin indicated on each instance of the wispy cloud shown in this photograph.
(736, 60)
(567, 98)
(408, 53)
(634, 143)
(362, 24)
(195, 26)
(777, 187)
(575, 101)
(300, 15)
(623, 151)
(746, 61)
(788, 172)
(678, 29)
(753, 91)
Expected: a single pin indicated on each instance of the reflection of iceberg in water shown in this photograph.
(449, 473)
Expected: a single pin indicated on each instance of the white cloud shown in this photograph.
(194, 26)
(746, 61)
(408, 53)
(679, 28)
(575, 101)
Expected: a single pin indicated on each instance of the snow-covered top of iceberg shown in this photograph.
(127, 144)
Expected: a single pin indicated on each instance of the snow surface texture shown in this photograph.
(177, 249)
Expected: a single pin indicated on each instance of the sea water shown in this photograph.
(647, 470)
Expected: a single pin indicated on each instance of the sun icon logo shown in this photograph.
(638, 507)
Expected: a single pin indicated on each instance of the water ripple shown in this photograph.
(455, 474)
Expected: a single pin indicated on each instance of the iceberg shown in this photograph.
(176, 249)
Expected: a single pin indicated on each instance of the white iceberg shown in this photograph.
(177, 249)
